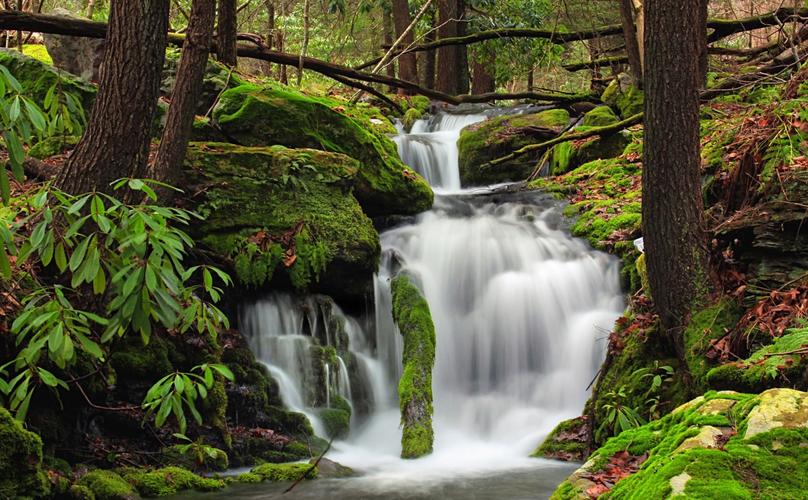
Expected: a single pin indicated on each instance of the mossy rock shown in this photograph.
(568, 156)
(719, 445)
(38, 52)
(52, 146)
(285, 472)
(21, 474)
(168, 481)
(107, 485)
(275, 115)
(623, 96)
(567, 442)
(500, 136)
(706, 325)
(601, 116)
(283, 213)
(414, 321)
(337, 422)
(37, 77)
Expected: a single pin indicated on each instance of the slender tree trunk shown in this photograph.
(280, 43)
(530, 79)
(116, 142)
(407, 64)
(463, 73)
(226, 33)
(387, 26)
(305, 47)
(672, 209)
(429, 58)
(632, 43)
(180, 119)
(704, 58)
(270, 38)
(448, 57)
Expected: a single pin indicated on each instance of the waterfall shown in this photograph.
(521, 310)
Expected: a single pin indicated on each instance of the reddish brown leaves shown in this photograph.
(621, 465)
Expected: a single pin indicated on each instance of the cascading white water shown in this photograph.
(521, 312)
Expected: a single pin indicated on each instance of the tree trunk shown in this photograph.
(632, 43)
(672, 208)
(448, 57)
(226, 33)
(483, 80)
(463, 75)
(704, 58)
(116, 142)
(180, 119)
(280, 43)
(387, 26)
(407, 64)
(270, 38)
(305, 47)
(429, 58)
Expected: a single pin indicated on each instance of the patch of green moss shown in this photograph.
(38, 52)
(21, 472)
(706, 325)
(168, 481)
(273, 114)
(558, 444)
(411, 314)
(107, 485)
(285, 472)
(410, 117)
(52, 146)
(337, 422)
(500, 136)
(601, 116)
(261, 205)
(79, 492)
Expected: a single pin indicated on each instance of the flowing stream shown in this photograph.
(521, 311)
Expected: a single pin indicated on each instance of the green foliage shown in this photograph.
(172, 393)
(200, 453)
(619, 416)
(129, 256)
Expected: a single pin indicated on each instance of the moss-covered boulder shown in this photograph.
(492, 139)
(720, 445)
(275, 115)
(283, 472)
(411, 314)
(568, 156)
(36, 78)
(168, 481)
(217, 79)
(623, 96)
(21, 474)
(276, 209)
(569, 441)
(107, 485)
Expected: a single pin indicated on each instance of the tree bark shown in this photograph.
(270, 38)
(188, 86)
(483, 80)
(226, 33)
(116, 142)
(672, 208)
(387, 25)
(407, 64)
(448, 77)
(632, 43)
(430, 58)
(283, 76)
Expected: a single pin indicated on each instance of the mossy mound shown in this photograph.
(37, 77)
(720, 445)
(275, 115)
(217, 79)
(623, 96)
(20, 460)
(283, 472)
(569, 441)
(168, 481)
(411, 314)
(107, 485)
(774, 365)
(38, 52)
(707, 325)
(273, 208)
(568, 156)
(500, 136)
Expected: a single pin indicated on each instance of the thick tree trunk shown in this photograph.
(632, 42)
(463, 74)
(448, 57)
(429, 58)
(407, 65)
(672, 209)
(483, 80)
(226, 33)
(116, 142)
(180, 119)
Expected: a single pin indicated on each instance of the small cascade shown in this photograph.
(305, 342)
(430, 150)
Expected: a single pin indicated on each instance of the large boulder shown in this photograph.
(217, 78)
(492, 139)
(287, 210)
(20, 460)
(80, 56)
(720, 445)
(275, 115)
(570, 155)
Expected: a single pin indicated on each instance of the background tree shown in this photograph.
(226, 32)
(188, 86)
(407, 65)
(116, 142)
(672, 208)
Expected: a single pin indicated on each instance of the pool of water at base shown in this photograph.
(535, 482)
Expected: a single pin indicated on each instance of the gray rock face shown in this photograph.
(77, 55)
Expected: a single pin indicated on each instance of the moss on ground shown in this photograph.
(707, 325)
(107, 485)
(21, 472)
(411, 314)
(168, 481)
(273, 114)
(491, 139)
(704, 450)
(276, 210)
